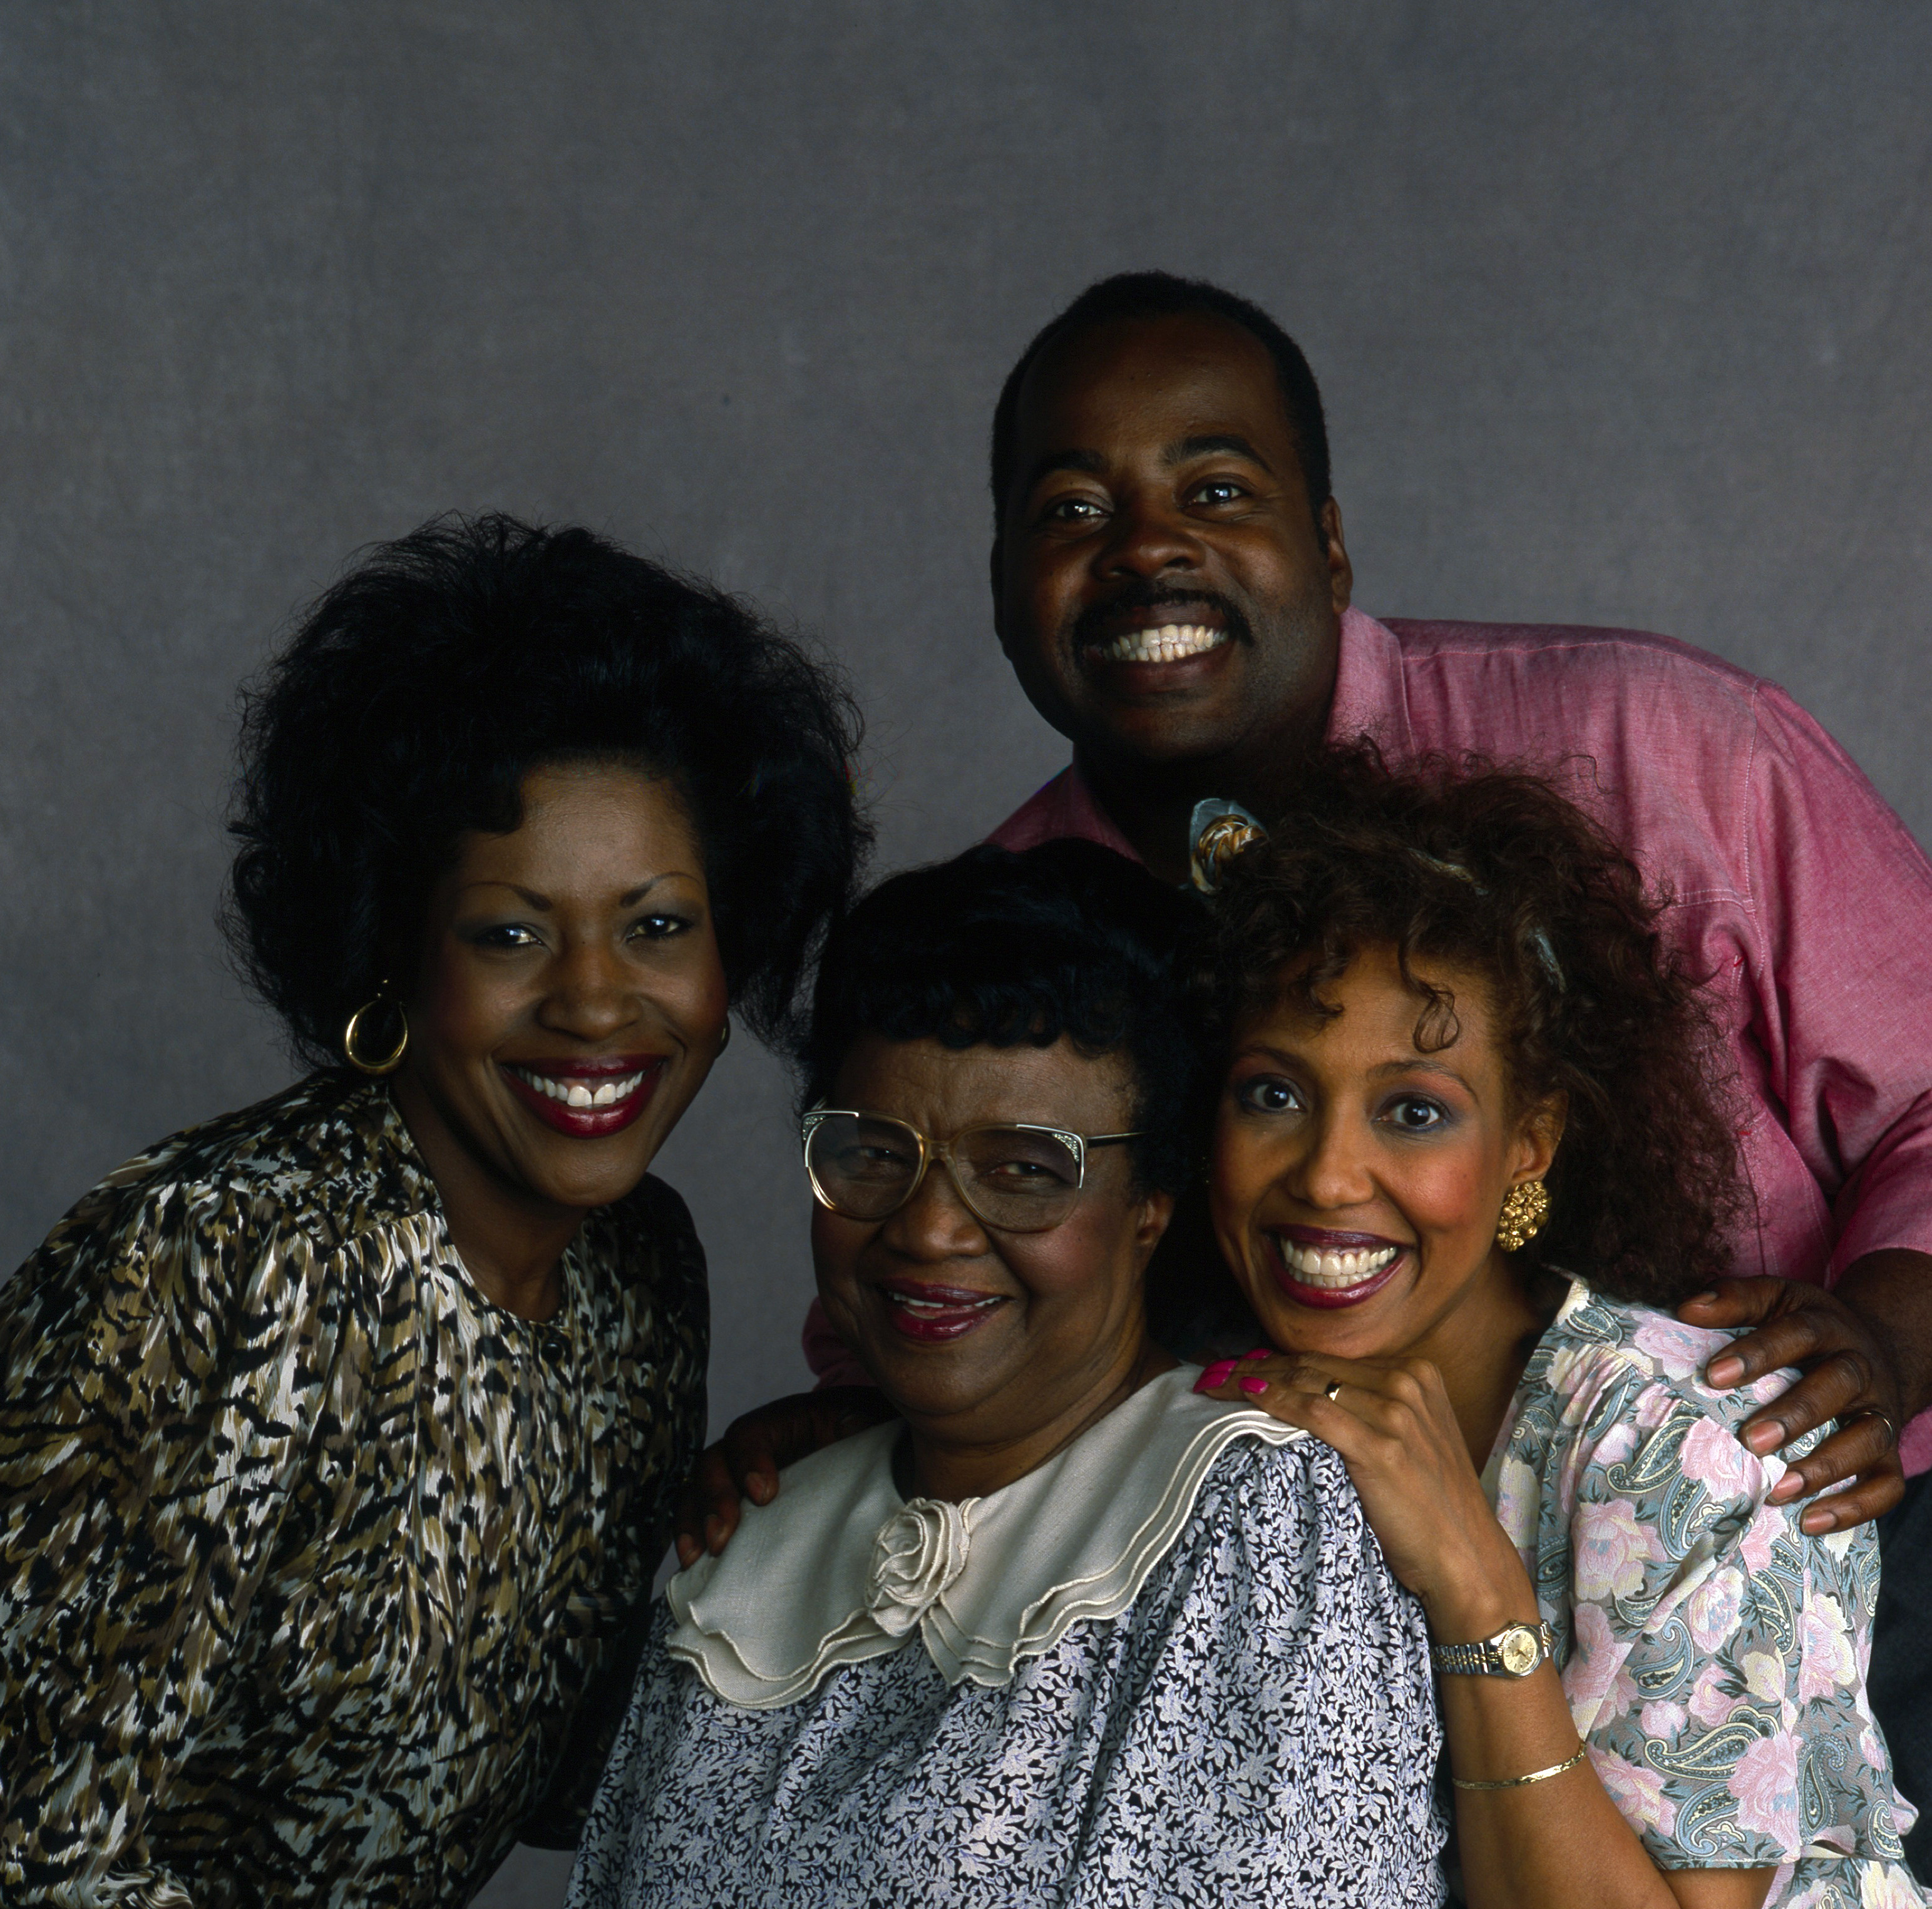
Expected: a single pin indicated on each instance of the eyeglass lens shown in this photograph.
(864, 1168)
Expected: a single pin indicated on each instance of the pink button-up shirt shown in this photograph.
(1793, 887)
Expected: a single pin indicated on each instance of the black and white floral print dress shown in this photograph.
(1171, 1666)
(309, 1553)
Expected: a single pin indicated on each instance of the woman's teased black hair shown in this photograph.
(1005, 950)
(420, 689)
(1461, 863)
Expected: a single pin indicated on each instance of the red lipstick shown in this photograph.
(1324, 1240)
(548, 1087)
(936, 1315)
(1305, 1292)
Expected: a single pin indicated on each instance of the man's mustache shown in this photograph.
(1092, 625)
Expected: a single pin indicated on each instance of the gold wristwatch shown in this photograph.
(1514, 1651)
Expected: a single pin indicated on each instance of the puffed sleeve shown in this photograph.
(1717, 1658)
(154, 1355)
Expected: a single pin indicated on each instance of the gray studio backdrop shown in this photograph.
(1623, 314)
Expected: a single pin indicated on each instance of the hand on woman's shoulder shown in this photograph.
(1623, 1476)
(1709, 1648)
(1620, 1388)
(1284, 1524)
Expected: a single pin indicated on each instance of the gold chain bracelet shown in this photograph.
(1534, 1776)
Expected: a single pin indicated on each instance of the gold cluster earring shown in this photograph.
(1524, 1208)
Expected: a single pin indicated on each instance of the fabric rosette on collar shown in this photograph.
(839, 1568)
(919, 1553)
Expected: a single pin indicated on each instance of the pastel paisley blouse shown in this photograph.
(308, 1552)
(1713, 1655)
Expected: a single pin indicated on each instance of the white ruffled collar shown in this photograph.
(839, 1567)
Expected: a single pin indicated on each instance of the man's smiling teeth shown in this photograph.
(575, 1093)
(1169, 643)
(1314, 1267)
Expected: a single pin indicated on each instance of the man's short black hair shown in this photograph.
(1137, 295)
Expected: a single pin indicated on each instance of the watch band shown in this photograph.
(1485, 1658)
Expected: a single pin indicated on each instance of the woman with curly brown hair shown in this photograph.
(1468, 1150)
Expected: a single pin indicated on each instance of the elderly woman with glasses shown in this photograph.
(1062, 1630)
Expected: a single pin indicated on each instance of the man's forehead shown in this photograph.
(1174, 452)
(1171, 349)
(1184, 379)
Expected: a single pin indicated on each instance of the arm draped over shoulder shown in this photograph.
(1843, 896)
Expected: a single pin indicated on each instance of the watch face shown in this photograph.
(1518, 1647)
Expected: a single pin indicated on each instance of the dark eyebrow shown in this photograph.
(542, 904)
(529, 897)
(638, 894)
(1425, 1067)
(1210, 442)
(1260, 1049)
(1091, 461)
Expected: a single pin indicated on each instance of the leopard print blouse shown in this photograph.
(314, 1564)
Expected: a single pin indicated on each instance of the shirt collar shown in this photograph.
(1371, 697)
(839, 1568)
(1081, 815)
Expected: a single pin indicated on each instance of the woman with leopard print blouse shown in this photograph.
(337, 1436)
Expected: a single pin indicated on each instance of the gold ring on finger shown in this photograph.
(1872, 1412)
(1332, 1390)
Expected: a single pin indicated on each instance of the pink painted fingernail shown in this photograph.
(1254, 1385)
(1260, 1352)
(1217, 1374)
(1203, 1383)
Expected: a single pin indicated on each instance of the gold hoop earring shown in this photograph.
(1524, 1208)
(725, 1034)
(389, 1063)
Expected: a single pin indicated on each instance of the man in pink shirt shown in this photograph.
(1171, 587)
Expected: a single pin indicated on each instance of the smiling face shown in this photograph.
(1357, 1180)
(569, 1003)
(982, 1337)
(1160, 584)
